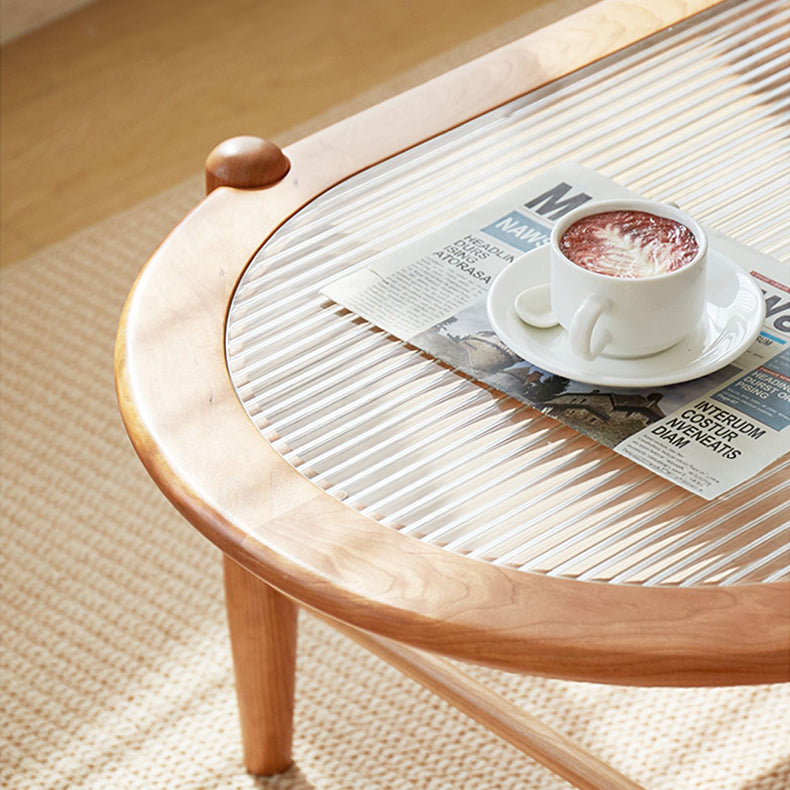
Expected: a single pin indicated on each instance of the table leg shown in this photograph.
(262, 625)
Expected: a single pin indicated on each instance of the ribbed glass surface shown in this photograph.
(700, 116)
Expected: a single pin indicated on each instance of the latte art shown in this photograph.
(629, 244)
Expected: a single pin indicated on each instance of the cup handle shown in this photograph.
(586, 342)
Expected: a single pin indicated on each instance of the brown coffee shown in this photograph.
(629, 244)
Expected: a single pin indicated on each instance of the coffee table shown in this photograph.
(427, 516)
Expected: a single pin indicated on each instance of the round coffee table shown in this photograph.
(339, 469)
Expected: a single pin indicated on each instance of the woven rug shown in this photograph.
(116, 670)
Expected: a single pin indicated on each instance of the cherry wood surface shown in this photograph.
(210, 460)
(262, 624)
(511, 723)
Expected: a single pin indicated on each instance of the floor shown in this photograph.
(121, 99)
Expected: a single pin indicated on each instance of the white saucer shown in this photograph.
(733, 318)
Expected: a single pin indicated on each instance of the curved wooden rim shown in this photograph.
(205, 454)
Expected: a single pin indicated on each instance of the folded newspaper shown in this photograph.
(707, 435)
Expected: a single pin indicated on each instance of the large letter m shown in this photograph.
(553, 204)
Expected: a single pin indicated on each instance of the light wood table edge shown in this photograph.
(491, 80)
(287, 531)
(268, 519)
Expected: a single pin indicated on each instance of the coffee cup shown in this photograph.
(627, 277)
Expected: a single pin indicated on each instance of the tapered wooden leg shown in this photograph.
(262, 626)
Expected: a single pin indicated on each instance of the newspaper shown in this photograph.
(707, 435)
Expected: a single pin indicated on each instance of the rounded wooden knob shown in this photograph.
(245, 163)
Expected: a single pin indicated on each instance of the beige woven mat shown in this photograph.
(115, 665)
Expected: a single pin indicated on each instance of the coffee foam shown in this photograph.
(629, 244)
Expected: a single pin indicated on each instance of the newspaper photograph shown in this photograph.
(707, 435)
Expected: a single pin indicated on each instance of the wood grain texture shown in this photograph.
(514, 725)
(262, 625)
(124, 98)
(245, 162)
(23, 16)
(209, 459)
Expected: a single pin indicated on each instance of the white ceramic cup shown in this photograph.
(626, 317)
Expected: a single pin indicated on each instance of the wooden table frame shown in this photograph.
(285, 542)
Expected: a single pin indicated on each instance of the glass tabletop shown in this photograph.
(699, 115)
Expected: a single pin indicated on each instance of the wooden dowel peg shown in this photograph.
(245, 162)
